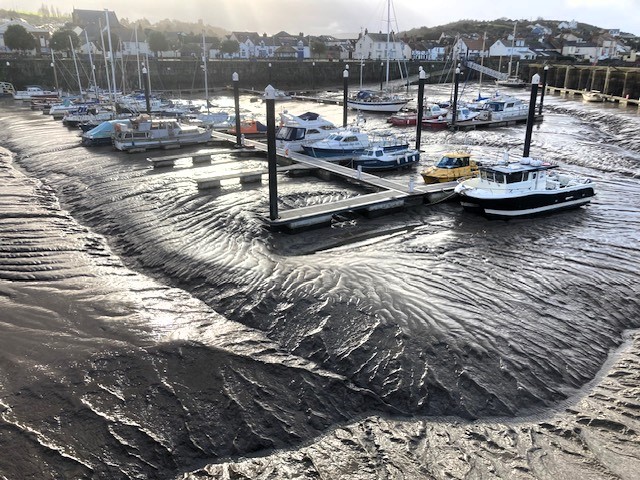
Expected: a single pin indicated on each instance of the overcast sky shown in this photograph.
(341, 17)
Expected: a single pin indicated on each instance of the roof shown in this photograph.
(27, 26)
(473, 43)
(382, 37)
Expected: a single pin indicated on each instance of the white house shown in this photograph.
(427, 51)
(374, 46)
(572, 25)
(581, 50)
(470, 48)
(609, 47)
(40, 34)
(503, 48)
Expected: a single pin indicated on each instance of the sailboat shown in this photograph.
(382, 101)
(512, 81)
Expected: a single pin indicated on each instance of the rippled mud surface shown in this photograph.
(152, 330)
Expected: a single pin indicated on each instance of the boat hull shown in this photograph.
(443, 175)
(319, 152)
(435, 124)
(379, 106)
(374, 165)
(96, 142)
(140, 145)
(514, 206)
(592, 97)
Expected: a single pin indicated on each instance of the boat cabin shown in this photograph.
(347, 138)
(289, 134)
(501, 106)
(144, 127)
(523, 175)
(454, 160)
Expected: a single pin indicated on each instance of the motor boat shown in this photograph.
(349, 143)
(145, 132)
(450, 167)
(294, 130)
(378, 159)
(528, 187)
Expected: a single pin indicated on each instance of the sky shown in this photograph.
(346, 18)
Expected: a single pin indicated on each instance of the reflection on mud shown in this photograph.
(149, 328)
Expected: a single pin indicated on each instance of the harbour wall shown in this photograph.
(187, 74)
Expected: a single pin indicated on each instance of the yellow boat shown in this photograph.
(452, 166)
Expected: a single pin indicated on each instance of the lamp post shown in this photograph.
(9, 72)
(313, 75)
(544, 88)
(270, 96)
(146, 88)
(269, 73)
(535, 80)
(235, 78)
(381, 74)
(454, 107)
(55, 76)
(345, 80)
(422, 77)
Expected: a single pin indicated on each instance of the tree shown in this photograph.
(16, 37)
(318, 48)
(59, 40)
(157, 42)
(214, 42)
(191, 50)
(230, 47)
(115, 41)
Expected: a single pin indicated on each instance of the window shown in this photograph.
(514, 177)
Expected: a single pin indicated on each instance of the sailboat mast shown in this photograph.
(513, 44)
(138, 59)
(484, 39)
(113, 68)
(388, 36)
(75, 62)
(93, 67)
(106, 64)
(55, 74)
(204, 67)
(122, 64)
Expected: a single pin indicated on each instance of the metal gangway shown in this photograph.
(486, 70)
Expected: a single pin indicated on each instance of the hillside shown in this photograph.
(495, 28)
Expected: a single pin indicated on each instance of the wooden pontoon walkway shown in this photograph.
(607, 97)
(388, 194)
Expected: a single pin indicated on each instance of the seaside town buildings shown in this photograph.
(533, 42)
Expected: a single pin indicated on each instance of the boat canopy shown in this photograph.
(453, 161)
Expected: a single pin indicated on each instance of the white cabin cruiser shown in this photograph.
(523, 188)
(296, 129)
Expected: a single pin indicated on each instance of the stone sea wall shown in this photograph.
(187, 75)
